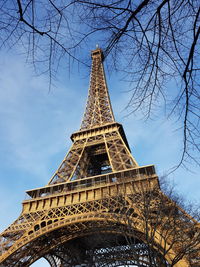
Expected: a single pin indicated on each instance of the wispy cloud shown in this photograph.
(33, 120)
(35, 127)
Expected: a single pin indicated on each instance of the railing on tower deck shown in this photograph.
(138, 173)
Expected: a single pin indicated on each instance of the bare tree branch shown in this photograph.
(152, 43)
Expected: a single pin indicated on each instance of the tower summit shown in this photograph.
(100, 208)
(98, 109)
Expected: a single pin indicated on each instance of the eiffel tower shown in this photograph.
(101, 208)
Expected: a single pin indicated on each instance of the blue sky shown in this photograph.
(36, 124)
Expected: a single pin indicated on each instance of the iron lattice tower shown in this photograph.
(91, 213)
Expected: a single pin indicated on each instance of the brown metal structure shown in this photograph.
(91, 211)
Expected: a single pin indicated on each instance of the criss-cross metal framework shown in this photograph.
(93, 211)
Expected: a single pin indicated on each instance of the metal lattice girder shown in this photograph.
(108, 141)
(98, 128)
(98, 109)
(53, 260)
(68, 166)
(58, 225)
(101, 253)
(100, 208)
